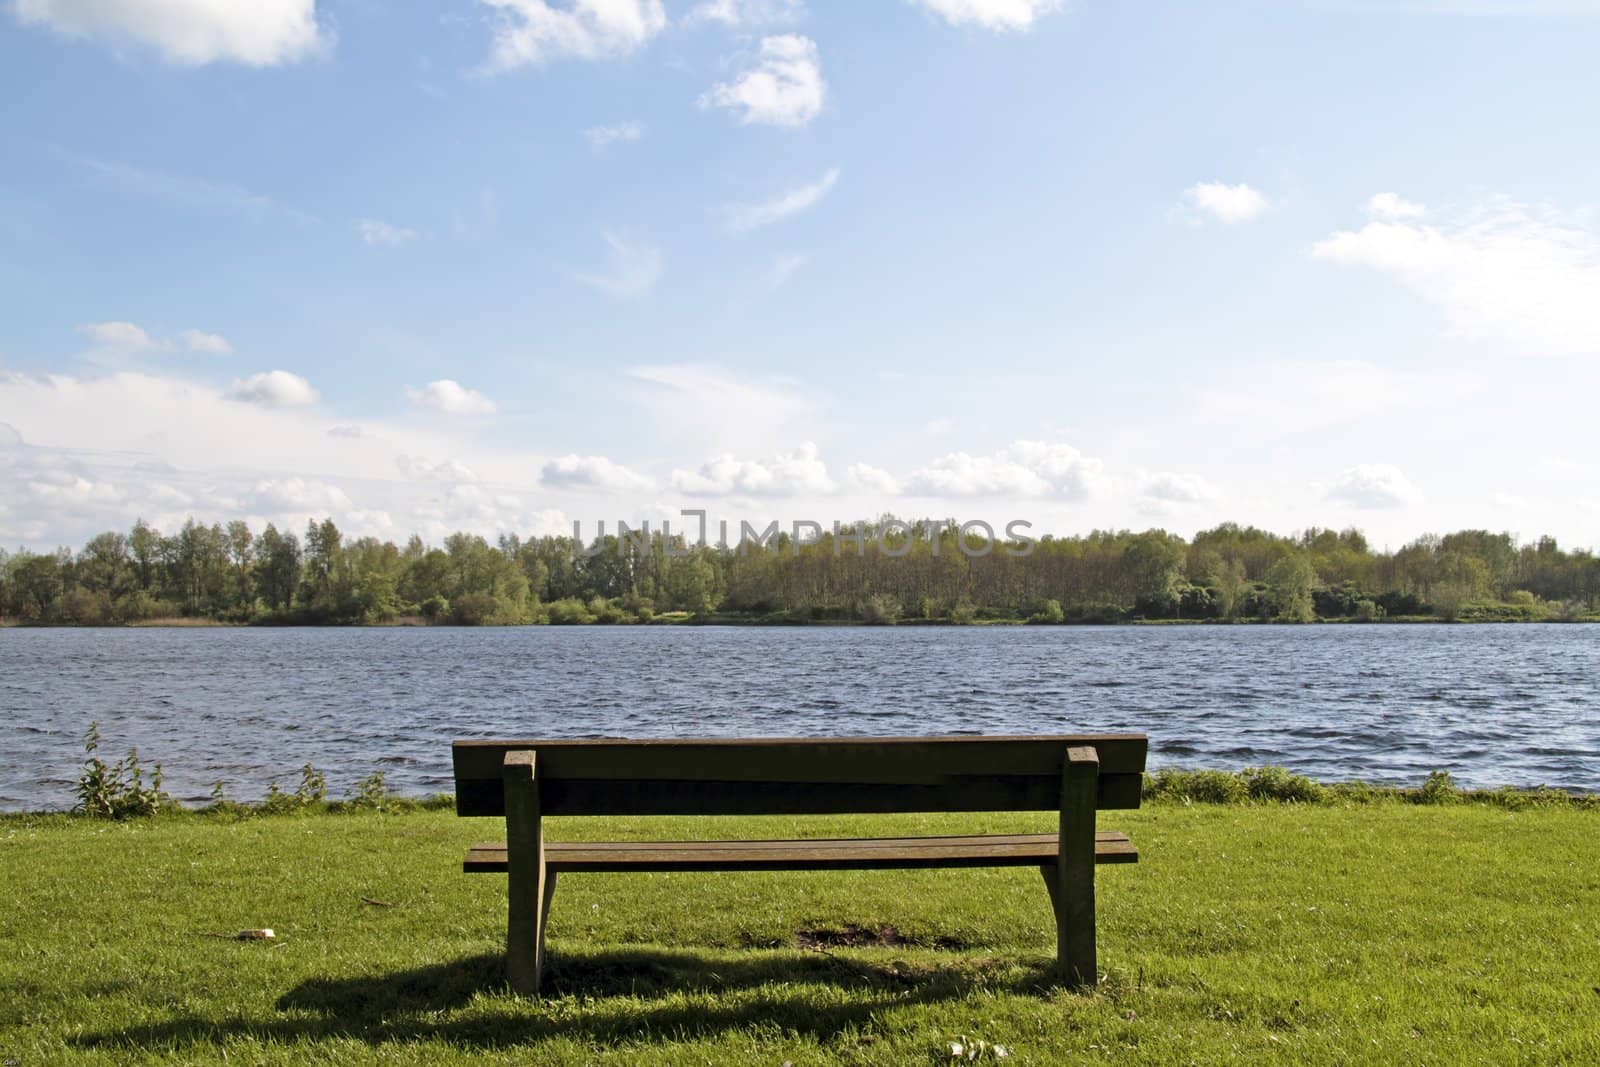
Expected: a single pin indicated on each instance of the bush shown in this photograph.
(312, 792)
(1049, 613)
(1439, 788)
(116, 790)
(1275, 783)
(880, 610)
(435, 609)
(569, 611)
(963, 614)
(475, 609)
(1204, 787)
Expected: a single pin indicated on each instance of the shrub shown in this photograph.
(880, 610)
(435, 609)
(310, 793)
(1276, 783)
(1439, 788)
(371, 794)
(1049, 613)
(1205, 787)
(963, 614)
(116, 790)
(568, 611)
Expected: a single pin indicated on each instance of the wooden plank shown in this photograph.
(969, 793)
(1016, 850)
(525, 863)
(891, 760)
(1074, 882)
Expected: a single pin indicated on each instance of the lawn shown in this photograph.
(1343, 933)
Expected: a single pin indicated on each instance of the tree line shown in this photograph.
(882, 571)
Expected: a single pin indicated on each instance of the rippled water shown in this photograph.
(1496, 705)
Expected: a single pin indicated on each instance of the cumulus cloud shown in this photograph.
(122, 336)
(256, 33)
(745, 217)
(378, 232)
(452, 471)
(739, 14)
(872, 479)
(591, 472)
(299, 495)
(1373, 485)
(1393, 206)
(799, 471)
(273, 389)
(632, 268)
(1166, 492)
(1025, 468)
(1501, 271)
(1225, 203)
(600, 136)
(532, 31)
(107, 448)
(200, 341)
(784, 88)
(127, 338)
(452, 398)
(990, 14)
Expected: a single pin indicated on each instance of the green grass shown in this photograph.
(1332, 933)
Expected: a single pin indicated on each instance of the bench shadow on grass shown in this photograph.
(644, 988)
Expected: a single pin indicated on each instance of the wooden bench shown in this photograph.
(1073, 775)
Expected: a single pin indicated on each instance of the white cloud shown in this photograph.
(257, 33)
(452, 398)
(1230, 204)
(1177, 488)
(1392, 206)
(273, 389)
(872, 479)
(800, 471)
(591, 472)
(991, 14)
(1025, 468)
(532, 31)
(452, 471)
(633, 268)
(600, 136)
(122, 336)
(745, 217)
(738, 14)
(200, 341)
(106, 449)
(299, 495)
(377, 232)
(1373, 485)
(785, 88)
(1504, 271)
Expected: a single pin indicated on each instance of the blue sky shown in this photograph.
(501, 264)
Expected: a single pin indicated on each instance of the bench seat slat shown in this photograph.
(990, 850)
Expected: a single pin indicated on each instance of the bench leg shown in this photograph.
(1073, 892)
(528, 884)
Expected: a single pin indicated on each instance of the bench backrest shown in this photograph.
(812, 776)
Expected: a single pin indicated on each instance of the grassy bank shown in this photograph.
(1333, 933)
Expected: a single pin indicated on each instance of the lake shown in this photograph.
(1495, 705)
